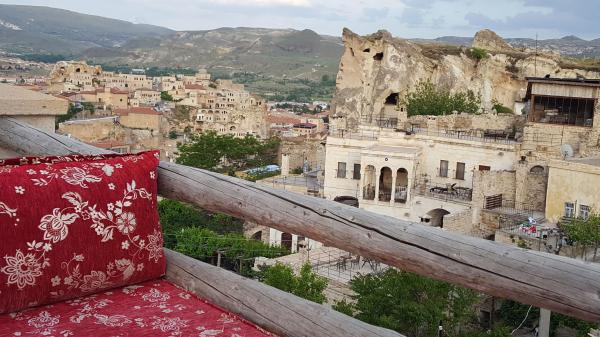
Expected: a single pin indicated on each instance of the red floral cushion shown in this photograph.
(155, 308)
(76, 225)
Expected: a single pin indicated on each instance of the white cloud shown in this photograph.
(294, 3)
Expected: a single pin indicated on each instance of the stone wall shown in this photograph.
(459, 222)
(300, 149)
(532, 182)
(467, 121)
(487, 183)
(91, 130)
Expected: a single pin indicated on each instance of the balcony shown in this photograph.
(445, 192)
(562, 285)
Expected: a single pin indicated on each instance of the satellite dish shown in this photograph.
(566, 150)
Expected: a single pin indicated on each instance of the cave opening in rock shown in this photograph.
(378, 57)
(368, 50)
(392, 99)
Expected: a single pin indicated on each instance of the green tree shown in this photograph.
(165, 96)
(222, 153)
(175, 215)
(172, 134)
(408, 303)
(237, 252)
(477, 53)
(71, 112)
(585, 232)
(307, 284)
(427, 99)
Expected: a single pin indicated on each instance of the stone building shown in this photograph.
(477, 174)
(39, 110)
(105, 98)
(228, 108)
(140, 118)
(146, 96)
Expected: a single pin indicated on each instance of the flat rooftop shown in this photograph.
(18, 101)
(565, 81)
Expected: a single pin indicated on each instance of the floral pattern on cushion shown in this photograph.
(75, 225)
(155, 308)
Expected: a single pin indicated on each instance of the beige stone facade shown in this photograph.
(39, 110)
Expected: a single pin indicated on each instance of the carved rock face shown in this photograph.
(376, 66)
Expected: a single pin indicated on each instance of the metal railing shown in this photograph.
(477, 135)
(369, 193)
(445, 192)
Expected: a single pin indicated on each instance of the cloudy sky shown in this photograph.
(405, 18)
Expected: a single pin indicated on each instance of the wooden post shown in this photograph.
(544, 326)
(561, 284)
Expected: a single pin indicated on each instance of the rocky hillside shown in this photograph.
(270, 51)
(376, 66)
(44, 33)
(572, 46)
(45, 30)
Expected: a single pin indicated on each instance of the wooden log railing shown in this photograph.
(553, 282)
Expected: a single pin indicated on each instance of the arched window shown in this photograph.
(385, 184)
(369, 183)
(537, 169)
(401, 191)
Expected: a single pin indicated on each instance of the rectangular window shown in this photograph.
(484, 168)
(443, 168)
(569, 210)
(584, 212)
(460, 171)
(341, 169)
(356, 172)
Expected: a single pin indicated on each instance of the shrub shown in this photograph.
(165, 96)
(172, 134)
(477, 53)
(427, 99)
(500, 108)
(307, 285)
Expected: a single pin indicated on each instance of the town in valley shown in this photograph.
(487, 139)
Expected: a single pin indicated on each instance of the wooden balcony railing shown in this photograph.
(553, 282)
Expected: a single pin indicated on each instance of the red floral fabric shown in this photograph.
(76, 225)
(155, 308)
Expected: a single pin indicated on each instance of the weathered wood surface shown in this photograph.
(270, 308)
(557, 283)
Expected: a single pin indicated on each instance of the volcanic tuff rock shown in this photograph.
(375, 66)
(489, 40)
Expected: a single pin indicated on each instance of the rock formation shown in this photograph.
(377, 70)
(489, 40)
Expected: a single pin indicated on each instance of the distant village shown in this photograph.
(132, 111)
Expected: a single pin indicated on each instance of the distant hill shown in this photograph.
(38, 30)
(571, 45)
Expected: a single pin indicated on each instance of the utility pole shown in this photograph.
(535, 57)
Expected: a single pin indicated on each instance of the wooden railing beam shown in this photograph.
(553, 282)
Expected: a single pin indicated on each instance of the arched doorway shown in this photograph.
(401, 192)
(437, 217)
(257, 236)
(286, 240)
(385, 184)
(369, 183)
